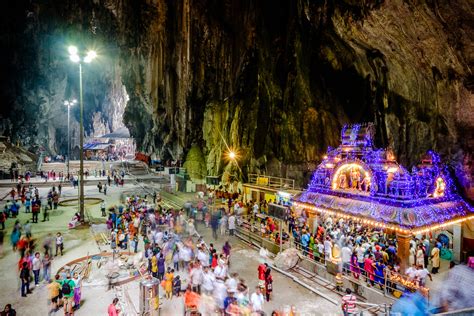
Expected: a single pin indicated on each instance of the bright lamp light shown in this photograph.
(232, 155)
(72, 50)
(92, 54)
(75, 58)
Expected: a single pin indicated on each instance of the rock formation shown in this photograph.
(275, 79)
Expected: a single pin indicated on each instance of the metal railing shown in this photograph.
(271, 182)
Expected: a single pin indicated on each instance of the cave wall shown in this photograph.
(273, 79)
(37, 75)
(278, 79)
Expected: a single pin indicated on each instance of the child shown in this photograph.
(177, 286)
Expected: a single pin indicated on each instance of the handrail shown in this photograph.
(469, 310)
(275, 182)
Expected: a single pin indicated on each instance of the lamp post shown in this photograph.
(76, 58)
(69, 104)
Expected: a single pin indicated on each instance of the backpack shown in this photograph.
(66, 288)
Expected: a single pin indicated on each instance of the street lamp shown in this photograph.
(76, 58)
(69, 103)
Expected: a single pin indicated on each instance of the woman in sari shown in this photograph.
(355, 266)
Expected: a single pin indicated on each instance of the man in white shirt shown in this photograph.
(231, 221)
(219, 293)
(256, 300)
(411, 272)
(327, 249)
(255, 209)
(232, 282)
(360, 256)
(203, 257)
(421, 274)
(36, 267)
(346, 253)
(196, 277)
(221, 270)
(208, 281)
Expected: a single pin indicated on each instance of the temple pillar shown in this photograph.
(457, 242)
(403, 250)
(312, 222)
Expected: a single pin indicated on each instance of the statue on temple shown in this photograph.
(342, 181)
(365, 183)
(440, 187)
(355, 178)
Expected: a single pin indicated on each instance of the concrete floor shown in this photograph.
(95, 297)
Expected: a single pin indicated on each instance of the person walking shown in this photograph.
(77, 290)
(46, 263)
(153, 266)
(223, 224)
(435, 259)
(420, 256)
(231, 221)
(59, 244)
(268, 283)
(105, 189)
(102, 208)
(261, 275)
(45, 214)
(161, 267)
(214, 225)
(257, 300)
(3, 218)
(25, 279)
(53, 295)
(169, 276)
(113, 310)
(36, 263)
(67, 289)
(348, 303)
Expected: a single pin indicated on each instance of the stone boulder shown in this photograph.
(287, 259)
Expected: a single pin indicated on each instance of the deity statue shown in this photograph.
(366, 183)
(355, 178)
(342, 181)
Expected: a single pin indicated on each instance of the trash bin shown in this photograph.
(149, 297)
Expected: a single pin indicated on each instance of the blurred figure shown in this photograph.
(456, 292)
(413, 304)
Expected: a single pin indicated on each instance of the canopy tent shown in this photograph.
(96, 146)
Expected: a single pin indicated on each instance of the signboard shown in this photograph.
(262, 181)
(212, 180)
(160, 168)
(173, 170)
(278, 211)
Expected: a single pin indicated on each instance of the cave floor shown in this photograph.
(95, 296)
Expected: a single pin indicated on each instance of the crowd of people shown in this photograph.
(367, 253)
(186, 265)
